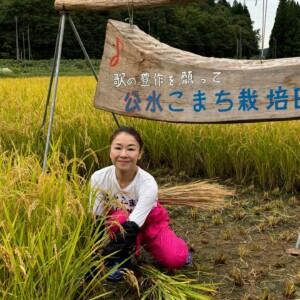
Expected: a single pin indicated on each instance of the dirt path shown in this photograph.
(244, 245)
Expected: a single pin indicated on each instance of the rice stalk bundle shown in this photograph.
(199, 194)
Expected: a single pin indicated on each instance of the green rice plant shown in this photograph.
(289, 290)
(272, 239)
(220, 258)
(262, 166)
(241, 160)
(261, 226)
(45, 226)
(266, 295)
(273, 220)
(154, 134)
(297, 279)
(245, 297)
(76, 122)
(242, 230)
(256, 246)
(181, 148)
(279, 204)
(276, 191)
(268, 157)
(293, 201)
(217, 219)
(214, 156)
(194, 213)
(266, 154)
(289, 160)
(256, 210)
(47, 246)
(238, 214)
(286, 235)
(226, 234)
(237, 276)
(266, 196)
(280, 263)
(241, 203)
(161, 286)
(243, 250)
(45, 232)
(269, 206)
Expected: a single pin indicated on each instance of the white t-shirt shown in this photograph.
(139, 197)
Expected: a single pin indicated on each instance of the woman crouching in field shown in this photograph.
(144, 221)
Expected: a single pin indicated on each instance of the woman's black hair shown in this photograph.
(129, 130)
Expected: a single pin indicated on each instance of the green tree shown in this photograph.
(285, 36)
(43, 21)
(209, 28)
(246, 37)
(38, 16)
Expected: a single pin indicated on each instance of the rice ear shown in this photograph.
(199, 194)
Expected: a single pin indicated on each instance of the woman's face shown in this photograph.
(125, 152)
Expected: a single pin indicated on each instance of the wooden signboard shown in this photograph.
(141, 77)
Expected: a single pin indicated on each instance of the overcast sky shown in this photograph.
(256, 13)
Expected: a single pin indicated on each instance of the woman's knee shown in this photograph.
(175, 259)
(171, 251)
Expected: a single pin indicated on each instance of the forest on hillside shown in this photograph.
(285, 37)
(212, 28)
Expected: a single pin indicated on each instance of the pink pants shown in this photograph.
(155, 236)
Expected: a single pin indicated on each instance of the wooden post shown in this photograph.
(102, 5)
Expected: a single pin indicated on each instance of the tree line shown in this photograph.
(213, 28)
(285, 36)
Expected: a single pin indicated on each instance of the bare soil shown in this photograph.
(242, 246)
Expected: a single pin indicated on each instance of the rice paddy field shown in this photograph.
(46, 248)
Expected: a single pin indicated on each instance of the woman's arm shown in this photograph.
(147, 199)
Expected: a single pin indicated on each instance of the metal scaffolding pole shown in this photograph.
(55, 74)
(57, 65)
(52, 76)
(87, 57)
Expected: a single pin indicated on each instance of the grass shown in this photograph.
(38, 68)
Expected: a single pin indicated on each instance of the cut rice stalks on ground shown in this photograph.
(199, 194)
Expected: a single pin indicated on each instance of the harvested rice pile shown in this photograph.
(199, 194)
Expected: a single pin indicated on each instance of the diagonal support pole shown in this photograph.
(55, 74)
(82, 47)
(57, 65)
(87, 57)
(51, 77)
